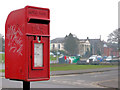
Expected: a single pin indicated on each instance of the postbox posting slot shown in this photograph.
(39, 21)
(37, 53)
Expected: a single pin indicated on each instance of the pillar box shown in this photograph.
(27, 44)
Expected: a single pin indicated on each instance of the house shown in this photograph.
(93, 46)
(96, 46)
(57, 44)
(111, 49)
(84, 46)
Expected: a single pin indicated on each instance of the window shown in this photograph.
(58, 46)
(53, 46)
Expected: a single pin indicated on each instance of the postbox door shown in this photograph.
(38, 53)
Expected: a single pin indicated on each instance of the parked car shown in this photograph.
(93, 58)
(104, 58)
(109, 58)
(51, 54)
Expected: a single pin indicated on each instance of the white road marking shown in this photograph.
(65, 75)
(55, 76)
(70, 75)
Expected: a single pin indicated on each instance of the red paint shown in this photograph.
(21, 29)
(65, 57)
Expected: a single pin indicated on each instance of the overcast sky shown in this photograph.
(84, 18)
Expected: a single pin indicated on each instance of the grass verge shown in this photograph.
(2, 57)
(65, 67)
(3, 70)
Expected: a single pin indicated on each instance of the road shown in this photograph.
(87, 80)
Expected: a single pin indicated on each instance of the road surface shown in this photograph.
(87, 80)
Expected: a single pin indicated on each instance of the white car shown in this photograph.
(51, 53)
(93, 58)
(109, 58)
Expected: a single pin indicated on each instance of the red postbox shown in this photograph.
(27, 44)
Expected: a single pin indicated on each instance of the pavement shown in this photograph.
(104, 83)
(109, 83)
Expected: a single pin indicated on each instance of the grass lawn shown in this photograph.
(65, 67)
(2, 57)
(3, 70)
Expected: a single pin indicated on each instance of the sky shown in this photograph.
(83, 18)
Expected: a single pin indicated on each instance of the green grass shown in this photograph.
(3, 70)
(2, 57)
(65, 67)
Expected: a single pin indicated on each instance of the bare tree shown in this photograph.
(113, 37)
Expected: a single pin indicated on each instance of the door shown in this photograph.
(38, 56)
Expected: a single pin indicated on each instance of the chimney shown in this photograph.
(100, 37)
(87, 38)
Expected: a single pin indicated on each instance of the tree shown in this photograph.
(91, 51)
(98, 52)
(87, 53)
(71, 44)
(113, 37)
(3, 44)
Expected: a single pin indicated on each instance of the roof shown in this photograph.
(94, 41)
(57, 40)
(112, 45)
(82, 39)
(61, 40)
